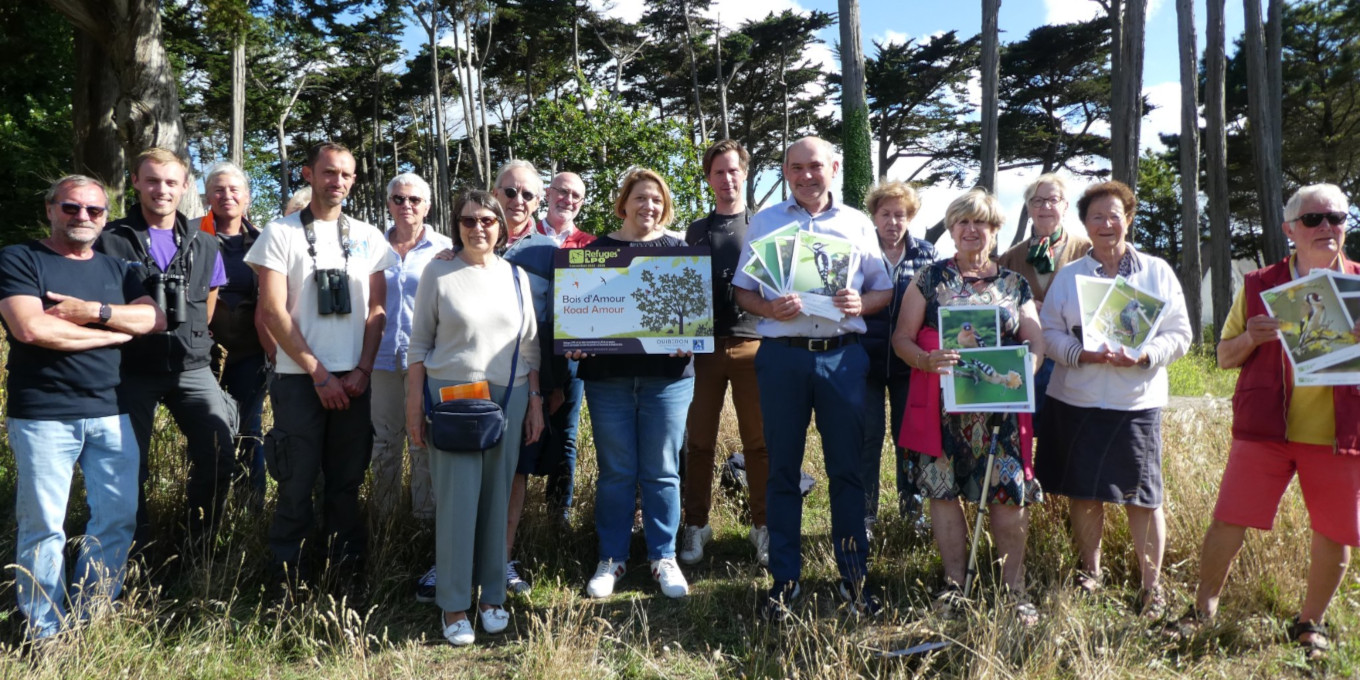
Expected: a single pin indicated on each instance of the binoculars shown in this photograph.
(168, 292)
(332, 291)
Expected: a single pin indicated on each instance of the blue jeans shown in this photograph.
(638, 425)
(245, 380)
(45, 455)
(908, 498)
(561, 445)
(795, 382)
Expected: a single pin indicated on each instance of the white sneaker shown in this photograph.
(667, 573)
(459, 633)
(760, 538)
(602, 583)
(692, 543)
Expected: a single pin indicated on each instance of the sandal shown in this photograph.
(1188, 625)
(1316, 645)
(948, 599)
(1152, 604)
(1087, 584)
(1026, 613)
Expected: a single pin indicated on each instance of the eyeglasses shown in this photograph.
(565, 193)
(401, 200)
(524, 194)
(1310, 220)
(73, 209)
(469, 222)
(1045, 202)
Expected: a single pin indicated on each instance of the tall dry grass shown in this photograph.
(202, 614)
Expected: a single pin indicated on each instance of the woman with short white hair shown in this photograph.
(415, 243)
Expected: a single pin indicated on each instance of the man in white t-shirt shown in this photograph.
(322, 291)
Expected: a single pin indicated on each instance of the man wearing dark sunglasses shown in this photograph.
(66, 310)
(518, 189)
(1280, 429)
(553, 454)
(182, 269)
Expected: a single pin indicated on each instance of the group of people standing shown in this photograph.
(350, 330)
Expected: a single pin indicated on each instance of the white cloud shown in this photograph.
(891, 37)
(733, 13)
(628, 10)
(1071, 11)
(1164, 119)
(1074, 11)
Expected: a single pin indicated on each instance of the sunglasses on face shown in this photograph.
(73, 209)
(469, 222)
(402, 200)
(1310, 220)
(524, 194)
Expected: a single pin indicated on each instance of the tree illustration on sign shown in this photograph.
(670, 298)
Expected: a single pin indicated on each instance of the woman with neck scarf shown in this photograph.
(1049, 248)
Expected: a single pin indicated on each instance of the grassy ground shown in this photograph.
(200, 615)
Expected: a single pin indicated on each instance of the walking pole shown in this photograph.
(982, 510)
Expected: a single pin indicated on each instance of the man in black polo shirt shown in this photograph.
(181, 269)
(733, 360)
(66, 309)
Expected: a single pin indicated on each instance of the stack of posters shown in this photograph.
(633, 300)
(1117, 316)
(815, 266)
(988, 377)
(1316, 315)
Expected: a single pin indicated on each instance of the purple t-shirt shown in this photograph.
(163, 250)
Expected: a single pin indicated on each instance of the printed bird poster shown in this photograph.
(1124, 320)
(822, 266)
(1315, 327)
(969, 327)
(993, 379)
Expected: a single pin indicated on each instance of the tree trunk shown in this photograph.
(1216, 151)
(991, 75)
(1128, 19)
(722, 84)
(784, 81)
(238, 99)
(281, 132)
(439, 136)
(481, 94)
(147, 108)
(465, 98)
(694, 73)
(98, 152)
(858, 166)
(1192, 278)
(1264, 143)
(1274, 63)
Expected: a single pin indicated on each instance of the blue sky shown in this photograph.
(898, 20)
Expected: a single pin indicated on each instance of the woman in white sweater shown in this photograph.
(467, 323)
(1102, 428)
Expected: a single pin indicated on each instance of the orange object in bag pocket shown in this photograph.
(474, 390)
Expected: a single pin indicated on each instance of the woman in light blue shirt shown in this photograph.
(416, 243)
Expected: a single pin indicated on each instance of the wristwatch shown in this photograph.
(105, 312)
(535, 393)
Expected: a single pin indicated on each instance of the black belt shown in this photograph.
(819, 344)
